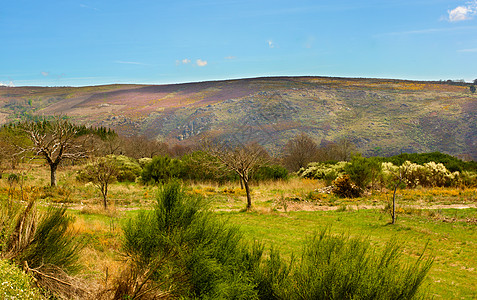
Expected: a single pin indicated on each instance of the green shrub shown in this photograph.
(362, 171)
(128, 168)
(183, 251)
(200, 166)
(161, 169)
(340, 267)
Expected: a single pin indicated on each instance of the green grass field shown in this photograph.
(285, 216)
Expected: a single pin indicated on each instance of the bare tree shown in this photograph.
(299, 151)
(55, 141)
(139, 146)
(101, 173)
(242, 159)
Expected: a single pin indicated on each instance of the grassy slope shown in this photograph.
(380, 116)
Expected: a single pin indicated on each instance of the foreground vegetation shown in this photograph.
(286, 217)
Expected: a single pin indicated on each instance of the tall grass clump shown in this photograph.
(42, 245)
(181, 250)
(341, 267)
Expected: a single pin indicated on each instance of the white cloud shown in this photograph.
(201, 63)
(45, 73)
(230, 57)
(186, 61)
(271, 44)
(462, 13)
(7, 84)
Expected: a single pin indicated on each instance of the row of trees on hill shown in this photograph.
(121, 158)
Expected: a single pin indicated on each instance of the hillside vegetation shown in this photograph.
(381, 117)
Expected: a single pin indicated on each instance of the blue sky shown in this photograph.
(88, 42)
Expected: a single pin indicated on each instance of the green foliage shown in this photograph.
(161, 169)
(450, 162)
(128, 168)
(200, 166)
(340, 267)
(15, 284)
(270, 172)
(362, 170)
(184, 251)
(52, 243)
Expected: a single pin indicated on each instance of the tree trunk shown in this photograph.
(53, 168)
(393, 214)
(104, 191)
(249, 198)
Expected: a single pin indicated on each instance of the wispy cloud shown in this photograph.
(45, 74)
(88, 7)
(201, 63)
(463, 12)
(271, 44)
(130, 63)
(230, 57)
(468, 50)
(426, 31)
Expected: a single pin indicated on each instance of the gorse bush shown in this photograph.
(345, 188)
(340, 267)
(181, 250)
(43, 245)
(328, 171)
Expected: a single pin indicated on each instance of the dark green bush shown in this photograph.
(161, 169)
(340, 267)
(270, 172)
(184, 251)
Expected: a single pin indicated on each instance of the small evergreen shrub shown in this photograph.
(270, 172)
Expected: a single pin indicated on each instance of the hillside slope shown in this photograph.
(381, 117)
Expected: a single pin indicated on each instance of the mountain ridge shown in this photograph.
(380, 116)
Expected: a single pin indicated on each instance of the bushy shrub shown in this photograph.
(362, 171)
(42, 245)
(326, 170)
(181, 250)
(344, 187)
(430, 174)
(270, 172)
(199, 166)
(161, 169)
(340, 267)
(128, 168)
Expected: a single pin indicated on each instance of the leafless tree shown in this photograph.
(139, 146)
(241, 158)
(55, 141)
(101, 173)
(299, 151)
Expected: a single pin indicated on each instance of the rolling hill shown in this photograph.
(380, 116)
